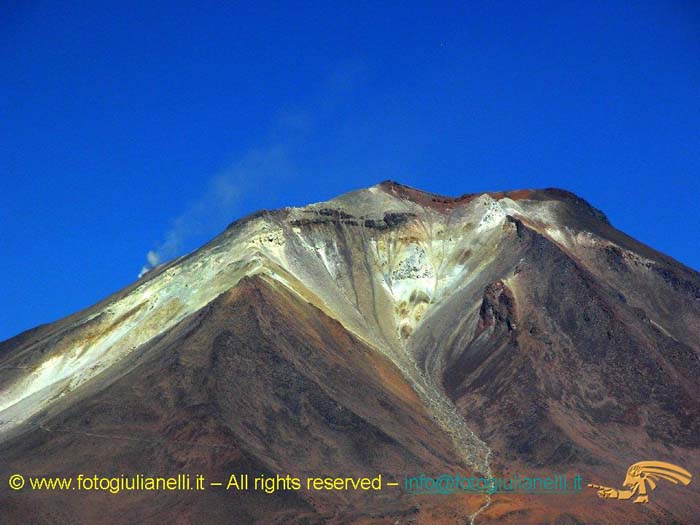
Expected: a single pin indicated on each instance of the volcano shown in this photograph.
(387, 331)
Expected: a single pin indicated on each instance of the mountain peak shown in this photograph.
(436, 332)
(446, 202)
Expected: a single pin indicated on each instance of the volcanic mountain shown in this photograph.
(388, 330)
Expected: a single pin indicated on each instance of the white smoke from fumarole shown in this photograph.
(259, 169)
(219, 204)
(153, 260)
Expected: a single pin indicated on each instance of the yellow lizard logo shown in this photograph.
(642, 474)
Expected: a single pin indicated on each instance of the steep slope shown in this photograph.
(554, 369)
(387, 330)
(256, 382)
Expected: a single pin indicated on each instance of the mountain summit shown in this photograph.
(388, 330)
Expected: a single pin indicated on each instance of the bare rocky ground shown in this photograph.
(388, 330)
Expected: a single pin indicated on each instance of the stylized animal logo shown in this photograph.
(642, 474)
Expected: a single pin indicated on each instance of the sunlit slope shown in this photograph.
(481, 304)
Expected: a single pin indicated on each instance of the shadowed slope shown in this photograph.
(257, 382)
(557, 372)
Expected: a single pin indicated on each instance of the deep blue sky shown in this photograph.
(128, 127)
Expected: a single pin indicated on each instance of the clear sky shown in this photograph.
(132, 127)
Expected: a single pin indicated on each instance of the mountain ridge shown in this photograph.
(485, 308)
